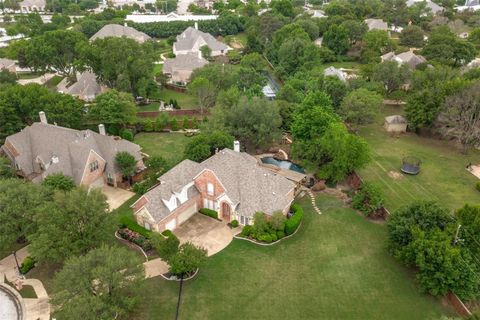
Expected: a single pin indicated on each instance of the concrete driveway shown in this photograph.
(116, 196)
(206, 232)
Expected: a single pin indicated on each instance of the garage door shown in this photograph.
(187, 214)
(171, 225)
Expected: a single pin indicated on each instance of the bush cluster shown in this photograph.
(368, 199)
(209, 212)
(274, 228)
(292, 224)
(135, 238)
(27, 265)
(234, 223)
(129, 223)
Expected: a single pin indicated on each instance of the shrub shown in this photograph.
(174, 124)
(280, 234)
(209, 212)
(277, 221)
(27, 265)
(194, 123)
(274, 237)
(265, 237)
(126, 134)
(292, 224)
(368, 199)
(186, 123)
(247, 231)
(148, 125)
(477, 186)
(168, 233)
(128, 222)
(162, 121)
(234, 223)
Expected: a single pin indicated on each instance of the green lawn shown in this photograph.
(53, 82)
(167, 145)
(185, 101)
(442, 178)
(150, 107)
(157, 69)
(335, 267)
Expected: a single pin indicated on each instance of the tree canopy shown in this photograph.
(113, 107)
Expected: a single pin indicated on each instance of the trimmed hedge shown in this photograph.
(131, 224)
(234, 223)
(292, 224)
(209, 212)
(27, 265)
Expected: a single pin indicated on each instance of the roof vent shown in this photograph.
(55, 159)
(273, 193)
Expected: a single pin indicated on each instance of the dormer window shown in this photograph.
(94, 166)
(210, 189)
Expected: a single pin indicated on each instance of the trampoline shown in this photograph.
(410, 165)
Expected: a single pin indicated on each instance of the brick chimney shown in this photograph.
(236, 146)
(43, 117)
(101, 129)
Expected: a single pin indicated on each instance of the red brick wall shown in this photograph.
(161, 225)
(139, 204)
(202, 181)
(89, 177)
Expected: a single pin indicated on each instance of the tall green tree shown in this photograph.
(19, 202)
(445, 47)
(206, 143)
(188, 258)
(59, 181)
(360, 106)
(72, 224)
(113, 107)
(391, 74)
(105, 283)
(127, 163)
(412, 36)
(337, 39)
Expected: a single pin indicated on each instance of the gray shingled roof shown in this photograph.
(6, 63)
(376, 24)
(86, 85)
(409, 58)
(71, 147)
(249, 186)
(395, 119)
(116, 30)
(435, 8)
(183, 62)
(188, 38)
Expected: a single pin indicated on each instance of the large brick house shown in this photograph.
(230, 182)
(88, 157)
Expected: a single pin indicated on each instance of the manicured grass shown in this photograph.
(28, 75)
(170, 146)
(185, 101)
(53, 82)
(336, 267)
(150, 107)
(28, 292)
(157, 68)
(442, 178)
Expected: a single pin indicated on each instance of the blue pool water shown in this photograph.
(284, 164)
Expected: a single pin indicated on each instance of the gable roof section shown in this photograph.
(249, 186)
(183, 62)
(376, 24)
(116, 30)
(71, 148)
(188, 38)
(86, 85)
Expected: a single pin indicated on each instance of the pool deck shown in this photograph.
(291, 175)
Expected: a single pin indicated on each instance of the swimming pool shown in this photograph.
(284, 164)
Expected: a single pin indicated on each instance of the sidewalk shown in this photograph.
(36, 309)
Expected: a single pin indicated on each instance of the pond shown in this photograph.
(284, 164)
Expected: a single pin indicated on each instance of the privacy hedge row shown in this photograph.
(292, 224)
(209, 212)
(128, 222)
(27, 265)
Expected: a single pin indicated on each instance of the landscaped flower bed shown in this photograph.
(269, 230)
(137, 239)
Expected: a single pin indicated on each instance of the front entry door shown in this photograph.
(226, 212)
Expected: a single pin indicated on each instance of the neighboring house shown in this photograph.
(86, 87)
(409, 58)
(116, 30)
(28, 6)
(192, 39)
(88, 157)
(395, 123)
(147, 18)
(230, 182)
(6, 39)
(320, 14)
(180, 68)
(334, 72)
(8, 65)
(318, 42)
(434, 8)
(376, 24)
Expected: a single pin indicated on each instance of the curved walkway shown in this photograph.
(314, 204)
(36, 309)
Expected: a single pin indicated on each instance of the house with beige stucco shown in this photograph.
(230, 182)
(86, 156)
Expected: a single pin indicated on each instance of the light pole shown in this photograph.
(16, 261)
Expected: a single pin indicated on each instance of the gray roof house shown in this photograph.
(409, 58)
(180, 68)
(192, 39)
(334, 72)
(230, 182)
(8, 64)
(376, 24)
(28, 6)
(86, 87)
(434, 8)
(116, 30)
(88, 157)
